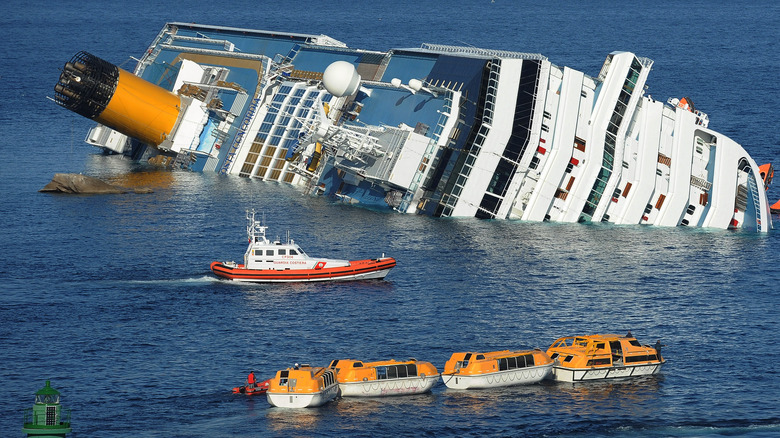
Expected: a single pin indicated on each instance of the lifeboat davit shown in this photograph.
(277, 262)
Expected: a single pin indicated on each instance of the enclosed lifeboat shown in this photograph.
(276, 262)
(469, 370)
(598, 357)
(302, 387)
(382, 378)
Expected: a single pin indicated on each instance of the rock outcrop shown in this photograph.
(81, 184)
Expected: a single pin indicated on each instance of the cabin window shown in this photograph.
(411, 369)
(357, 365)
(269, 252)
(392, 373)
(554, 355)
(334, 363)
(283, 377)
(381, 373)
(480, 357)
(282, 252)
(602, 361)
(599, 346)
(293, 252)
(401, 370)
(635, 343)
(529, 360)
(502, 364)
(568, 358)
(641, 358)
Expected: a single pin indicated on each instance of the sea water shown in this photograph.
(111, 298)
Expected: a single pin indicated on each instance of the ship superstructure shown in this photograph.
(440, 130)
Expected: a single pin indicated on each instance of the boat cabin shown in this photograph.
(481, 363)
(304, 379)
(355, 371)
(601, 351)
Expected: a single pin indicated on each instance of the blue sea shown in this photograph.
(111, 297)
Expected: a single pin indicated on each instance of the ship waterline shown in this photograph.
(445, 131)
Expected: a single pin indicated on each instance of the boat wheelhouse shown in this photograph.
(471, 370)
(384, 378)
(602, 356)
(302, 387)
(269, 261)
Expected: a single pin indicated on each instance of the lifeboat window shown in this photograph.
(357, 365)
(293, 252)
(269, 252)
(401, 370)
(392, 373)
(503, 365)
(601, 361)
(554, 355)
(381, 373)
(334, 363)
(480, 357)
(641, 358)
(635, 343)
(411, 370)
(529, 360)
(512, 362)
(568, 358)
(283, 377)
(282, 252)
(599, 346)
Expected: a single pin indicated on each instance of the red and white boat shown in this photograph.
(276, 262)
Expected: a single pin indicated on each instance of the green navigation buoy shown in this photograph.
(45, 419)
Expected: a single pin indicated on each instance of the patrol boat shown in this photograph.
(268, 261)
(599, 357)
(383, 378)
(470, 370)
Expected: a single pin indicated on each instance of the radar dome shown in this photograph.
(341, 79)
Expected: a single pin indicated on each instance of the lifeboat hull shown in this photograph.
(297, 400)
(357, 270)
(564, 374)
(517, 376)
(389, 387)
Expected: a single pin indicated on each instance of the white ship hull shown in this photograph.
(377, 388)
(293, 400)
(518, 376)
(563, 374)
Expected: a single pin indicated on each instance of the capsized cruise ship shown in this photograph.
(445, 131)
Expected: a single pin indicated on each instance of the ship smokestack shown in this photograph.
(101, 91)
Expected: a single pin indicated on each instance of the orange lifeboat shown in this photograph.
(469, 370)
(302, 387)
(599, 357)
(383, 378)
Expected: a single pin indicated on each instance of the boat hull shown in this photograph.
(389, 387)
(296, 400)
(563, 374)
(517, 376)
(357, 270)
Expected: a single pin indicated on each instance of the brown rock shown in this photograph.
(77, 183)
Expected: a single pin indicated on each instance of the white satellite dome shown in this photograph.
(341, 79)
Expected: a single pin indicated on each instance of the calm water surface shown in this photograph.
(111, 297)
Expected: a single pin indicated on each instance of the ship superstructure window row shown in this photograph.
(517, 144)
(610, 140)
